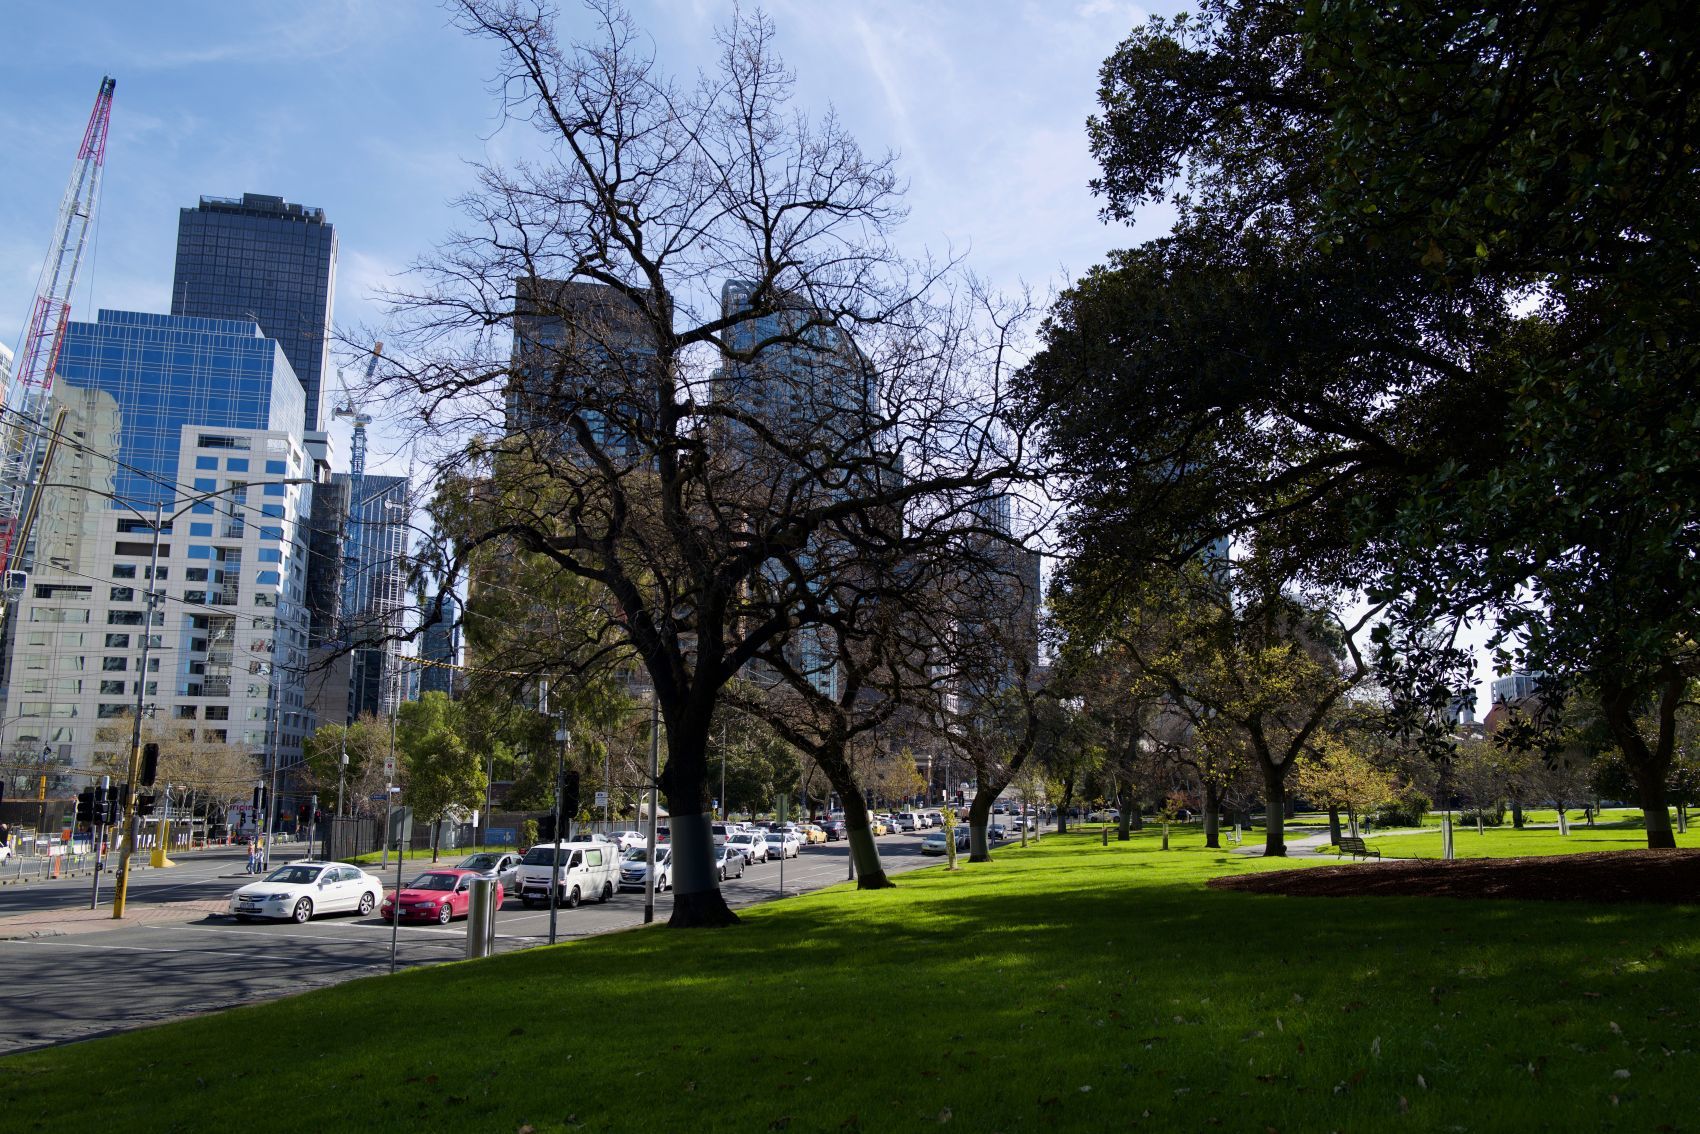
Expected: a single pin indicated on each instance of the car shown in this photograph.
(587, 870)
(731, 862)
(299, 891)
(503, 866)
(935, 843)
(781, 844)
(634, 868)
(437, 895)
(908, 821)
(816, 834)
(1103, 815)
(630, 839)
(835, 830)
(5, 851)
(752, 846)
(876, 825)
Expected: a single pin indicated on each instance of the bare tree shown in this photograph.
(718, 364)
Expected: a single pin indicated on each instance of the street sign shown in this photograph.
(389, 767)
(379, 798)
(602, 799)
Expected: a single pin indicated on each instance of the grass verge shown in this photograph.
(1508, 842)
(1069, 986)
(444, 857)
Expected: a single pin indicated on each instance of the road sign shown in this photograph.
(389, 768)
(602, 799)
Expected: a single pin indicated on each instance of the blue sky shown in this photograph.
(372, 110)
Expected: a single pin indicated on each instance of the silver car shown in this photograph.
(731, 861)
(503, 866)
(634, 868)
(752, 846)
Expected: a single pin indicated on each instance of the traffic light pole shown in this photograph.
(132, 822)
(99, 833)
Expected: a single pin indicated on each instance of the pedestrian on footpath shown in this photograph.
(254, 857)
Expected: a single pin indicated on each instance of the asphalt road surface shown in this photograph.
(171, 958)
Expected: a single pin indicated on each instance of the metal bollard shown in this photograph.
(481, 919)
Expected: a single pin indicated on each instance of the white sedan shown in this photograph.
(782, 844)
(298, 891)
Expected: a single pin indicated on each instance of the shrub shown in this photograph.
(528, 833)
(1406, 810)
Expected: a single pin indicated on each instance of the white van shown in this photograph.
(589, 870)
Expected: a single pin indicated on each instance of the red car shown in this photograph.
(438, 895)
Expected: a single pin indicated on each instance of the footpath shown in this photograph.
(65, 923)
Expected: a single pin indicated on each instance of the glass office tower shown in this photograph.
(166, 372)
(263, 259)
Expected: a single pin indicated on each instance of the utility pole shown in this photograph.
(99, 835)
(555, 869)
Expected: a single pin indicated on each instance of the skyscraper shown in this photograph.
(374, 588)
(263, 259)
(163, 411)
(441, 645)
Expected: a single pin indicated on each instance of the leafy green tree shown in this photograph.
(367, 744)
(442, 772)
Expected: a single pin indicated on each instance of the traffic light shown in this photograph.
(150, 763)
(570, 794)
(259, 800)
(101, 796)
(85, 806)
(116, 800)
(144, 805)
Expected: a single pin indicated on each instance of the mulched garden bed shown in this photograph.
(1600, 876)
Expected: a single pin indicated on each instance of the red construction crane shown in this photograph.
(24, 424)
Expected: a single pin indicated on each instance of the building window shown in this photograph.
(123, 594)
(111, 687)
(124, 571)
(118, 641)
(185, 712)
(206, 464)
(114, 665)
(108, 711)
(218, 712)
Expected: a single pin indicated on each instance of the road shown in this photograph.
(177, 954)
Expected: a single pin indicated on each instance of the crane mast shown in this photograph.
(24, 429)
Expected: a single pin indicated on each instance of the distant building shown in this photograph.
(439, 651)
(374, 589)
(1515, 687)
(582, 352)
(189, 407)
(266, 260)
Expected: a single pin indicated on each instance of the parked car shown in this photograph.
(503, 866)
(753, 846)
(781, 844)
(438, 895)
(835, 830)
(935, 843)
(301, 890)
(634, 868)
(1103, 815)
(731, 861)
(909, 821)
(587, 870)
(629, 839)
(876, 825)
(815, 833)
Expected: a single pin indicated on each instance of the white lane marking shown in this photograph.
(309, 936)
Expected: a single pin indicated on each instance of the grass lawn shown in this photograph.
(1069, 986)
(1507, 842)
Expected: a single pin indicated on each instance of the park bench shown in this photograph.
(1354, 846)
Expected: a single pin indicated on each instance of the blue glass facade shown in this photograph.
(264, 259)
(165, 372)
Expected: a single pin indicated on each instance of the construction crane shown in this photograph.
(24, 429)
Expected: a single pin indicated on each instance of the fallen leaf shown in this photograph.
(945, 1116)
(1422, 1082)
(1375, 1047)
(1620, 1073)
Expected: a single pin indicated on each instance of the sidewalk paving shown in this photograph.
(65, 923)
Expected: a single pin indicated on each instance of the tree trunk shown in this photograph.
(1212, 816)
(1352, 822)
(870, 873)
(436, 834)
(1067, 802)
(979, 813)
(1274, 810)
(1124, 821)
(1334, 825)
(1648, 765)
(1516, 814)
(1135, 820)
(697, 900)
